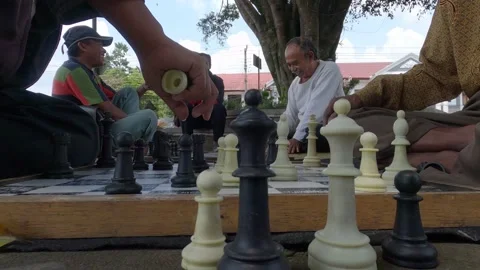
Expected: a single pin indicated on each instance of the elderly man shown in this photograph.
(449, 66)
(316, 83)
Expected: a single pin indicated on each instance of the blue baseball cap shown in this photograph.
(83, 32)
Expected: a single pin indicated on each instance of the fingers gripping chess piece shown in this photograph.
(123, 181)
(231, 161)
(369, 180)
(311, 159)
(208, 241)
(340, 245)
(283, 167)
(221, 155)
(408, 246)
(400, 159)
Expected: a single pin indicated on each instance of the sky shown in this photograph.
(372, 39)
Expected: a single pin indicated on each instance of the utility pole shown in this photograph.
(245, 66)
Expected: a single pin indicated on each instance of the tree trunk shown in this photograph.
(275, 22)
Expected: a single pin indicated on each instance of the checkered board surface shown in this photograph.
(92, 181)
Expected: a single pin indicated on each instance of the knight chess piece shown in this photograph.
(60, 167)
(106, 159)
(253, 247)
(184, 177)
(139, 156)
(408, 245)
(123, 181)
(161, 152)
(199, 163)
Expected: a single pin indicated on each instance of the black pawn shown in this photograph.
(173, 150)
(106, 159)
(272, 148)
(408, 245)
(60, 167)
(185, 177)
(161, 152)
(123, 181)
(253, 247)
(199, 163)
(139, 156)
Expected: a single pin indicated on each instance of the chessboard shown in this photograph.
(92, 181)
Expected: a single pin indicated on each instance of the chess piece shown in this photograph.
(253, 247)
(184, 177)
(272, 148)
(400, 160)
(231, 161)
(220, 155)
(106, 159)
(311, 159)
(60, 167)
(369, 180)
(208, 240)
(173, 150)
(123, 181)
(283, 167)
(150, 149)
(199, 163)
(408, 245)
(139, 158)
(161, 152)
(340, 245)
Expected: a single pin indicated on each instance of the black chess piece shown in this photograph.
(106, 159)
(408, 245)
(150, 149)
(123, 181)
(253, 247)
(173, 150)
(185, 176)
(161, 152)
(272, 148)
(199, 163)
(139, 156)
(60, 167)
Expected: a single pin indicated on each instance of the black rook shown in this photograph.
(253, 247)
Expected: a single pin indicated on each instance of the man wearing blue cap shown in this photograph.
(29, 35)
(75, 81)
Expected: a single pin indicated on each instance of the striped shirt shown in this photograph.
(75, 82)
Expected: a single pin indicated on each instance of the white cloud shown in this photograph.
(202, 6)
(400, 42)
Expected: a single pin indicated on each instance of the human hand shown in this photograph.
(170, 55)
(293, 146)
(330, 114)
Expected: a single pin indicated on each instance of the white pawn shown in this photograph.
(208, 240)
(231, 161)
(221, 155)
(400, 159)
(340, 245)
(283, 167)
(370, 180)
(311, 159)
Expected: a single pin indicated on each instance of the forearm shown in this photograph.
(108, 106)
(414, 90)
(134, 22)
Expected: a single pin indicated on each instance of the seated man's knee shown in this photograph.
(150, 119)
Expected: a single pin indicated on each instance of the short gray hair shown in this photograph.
(305, 44)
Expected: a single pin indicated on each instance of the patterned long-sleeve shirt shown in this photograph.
(450, 63)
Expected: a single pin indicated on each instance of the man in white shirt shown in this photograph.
(317, 83)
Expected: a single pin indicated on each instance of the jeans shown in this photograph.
(142, 124)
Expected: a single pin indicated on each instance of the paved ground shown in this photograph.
(452, 257)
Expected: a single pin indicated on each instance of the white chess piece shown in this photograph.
(400, 160)
(370, 180)
(340, 245)
(283, 167)
(311, 159)
(231, 161)
(220, 155)
(208, 240)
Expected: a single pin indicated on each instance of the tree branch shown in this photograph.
(251, 16)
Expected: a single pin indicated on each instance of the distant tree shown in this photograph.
(274, 22)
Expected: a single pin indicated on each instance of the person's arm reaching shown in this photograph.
(157, 53)
(325, 90)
